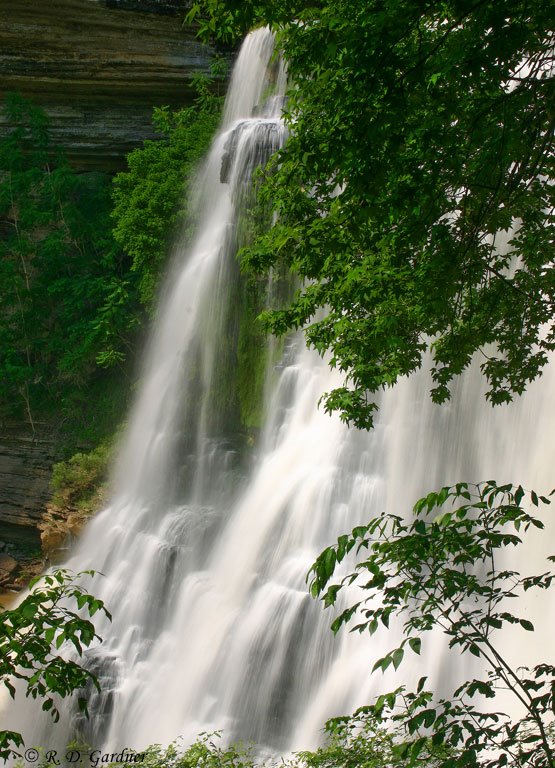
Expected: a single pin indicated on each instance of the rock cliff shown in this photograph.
(98, 67)
(25, 467)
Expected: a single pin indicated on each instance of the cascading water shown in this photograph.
(204, 562)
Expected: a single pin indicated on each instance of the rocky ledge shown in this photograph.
(98, 67)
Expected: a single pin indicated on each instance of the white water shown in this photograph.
(204, 560)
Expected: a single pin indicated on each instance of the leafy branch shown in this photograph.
(33, 634)
(439, 570)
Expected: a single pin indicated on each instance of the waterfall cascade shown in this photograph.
(205, 564)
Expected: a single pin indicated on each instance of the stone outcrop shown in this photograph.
(25, 469)
(58, 528)
(8, 564)
(98, 67)
(15, 574)
(34, 530)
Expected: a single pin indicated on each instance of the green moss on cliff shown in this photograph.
(252, 355)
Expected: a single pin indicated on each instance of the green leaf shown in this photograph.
(420, 527)
(527, 625)
(534, 497)
(397, 657)
(415, 643)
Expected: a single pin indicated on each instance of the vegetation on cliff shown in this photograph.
(149, 200)
(79, 490)
(80, 259)
(80, 262)
(65, 300)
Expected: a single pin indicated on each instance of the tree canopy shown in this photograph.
(415, 195)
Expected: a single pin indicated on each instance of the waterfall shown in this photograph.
(204, 554)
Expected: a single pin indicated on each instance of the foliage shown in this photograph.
(351, 742)
(442, 572)
(31, 636)
(227, 21)
(66, 305)
(77, 483)
(421, 138)
(358, 741)
(205, 752)
(148, 197)
(91, 413)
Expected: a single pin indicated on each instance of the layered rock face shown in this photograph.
(98, 67)
(25, 467)
(33, 530)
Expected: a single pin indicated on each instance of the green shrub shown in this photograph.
(78, 483)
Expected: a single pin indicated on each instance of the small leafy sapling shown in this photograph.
(442, 570)
(55, 613)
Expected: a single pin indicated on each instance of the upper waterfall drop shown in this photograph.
(205, 564)
(256, 69)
